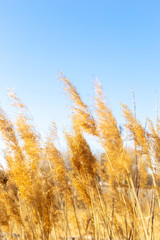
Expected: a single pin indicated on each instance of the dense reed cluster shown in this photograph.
(45, 195)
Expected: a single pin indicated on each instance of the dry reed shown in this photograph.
(45, 197)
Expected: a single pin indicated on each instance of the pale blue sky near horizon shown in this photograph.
(117, 42)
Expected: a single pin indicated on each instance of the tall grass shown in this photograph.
(43, 196)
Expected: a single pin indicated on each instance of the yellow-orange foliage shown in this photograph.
(44, 197)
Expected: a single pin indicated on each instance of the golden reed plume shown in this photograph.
(48, 194)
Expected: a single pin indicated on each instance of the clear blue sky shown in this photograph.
(115, 41)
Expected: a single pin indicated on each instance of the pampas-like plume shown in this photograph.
(83, 164)
(31, 141)
(14, 155)
(81, 117)
(119, 163)
(155, 145)
(56, 161)
(139, 135)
